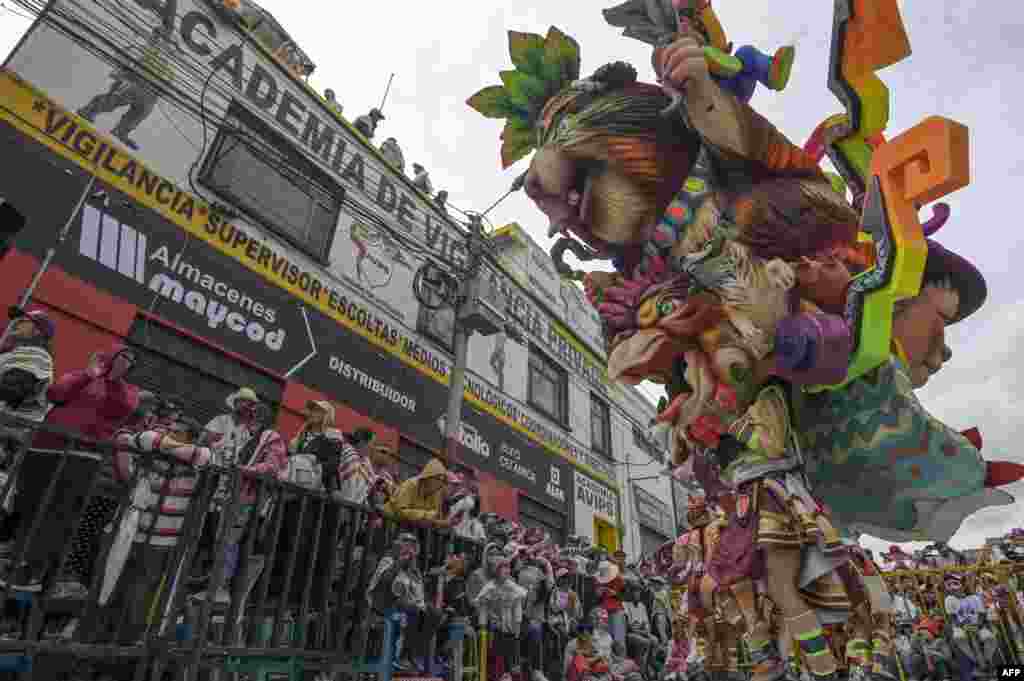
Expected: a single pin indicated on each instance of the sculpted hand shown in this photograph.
(682, 65)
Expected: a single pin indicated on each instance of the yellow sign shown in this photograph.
(34, 115)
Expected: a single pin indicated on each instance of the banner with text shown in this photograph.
(328, 341)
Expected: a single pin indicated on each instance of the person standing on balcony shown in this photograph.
(355, 470)
(321, 442)
(265, 454)
(136, 576)
(421, 499)
(93, 402)
(226, 435)
(85, 545)
(26, 372)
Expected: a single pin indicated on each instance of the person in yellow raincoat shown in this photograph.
(420, 499)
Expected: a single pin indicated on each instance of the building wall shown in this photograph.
(344, 325)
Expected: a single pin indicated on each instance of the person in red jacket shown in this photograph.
(92, 403)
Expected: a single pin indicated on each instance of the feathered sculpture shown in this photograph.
(543, 67)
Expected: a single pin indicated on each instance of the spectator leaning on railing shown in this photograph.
(266, 454)
(421, 499)
(26, 372)
(320, 442)
(93, 402)
(355, 470)
(161, 501)
(102, 507)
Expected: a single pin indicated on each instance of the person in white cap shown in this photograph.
(610, 586)
(226, 435)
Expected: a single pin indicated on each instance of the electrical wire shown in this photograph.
(15, 13)
(177, 95)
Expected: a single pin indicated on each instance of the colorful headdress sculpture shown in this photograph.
(544, 66)
(889, 179)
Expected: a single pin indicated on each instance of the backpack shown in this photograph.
(303, 470)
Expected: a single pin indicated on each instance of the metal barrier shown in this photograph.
(298, 600)
(289, 571)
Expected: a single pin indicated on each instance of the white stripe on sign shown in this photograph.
(89, 242)
(126, 254)
(109, 241)
(140, 258)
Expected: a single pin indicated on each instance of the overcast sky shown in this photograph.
(966, 65)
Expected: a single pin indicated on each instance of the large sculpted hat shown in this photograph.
(942, 262)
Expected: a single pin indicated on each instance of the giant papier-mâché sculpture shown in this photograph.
(788, 326)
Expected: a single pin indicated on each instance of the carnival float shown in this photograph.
(790, 314)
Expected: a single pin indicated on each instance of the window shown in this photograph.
(549, 387)
(257, 170)
(600, 427)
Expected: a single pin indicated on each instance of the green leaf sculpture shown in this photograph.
(544, 66)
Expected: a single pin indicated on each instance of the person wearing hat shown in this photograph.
(852, 437)
(320, 440)
(26, 372)
(166, 495)
(421, 179)
(367, 124)
(102, 507)
(397, 584)
(225, 435)
(610, 585)
(421, 499)
(228, 433)
(92, 402)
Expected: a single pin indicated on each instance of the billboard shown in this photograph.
(141, 239)
(196, 63)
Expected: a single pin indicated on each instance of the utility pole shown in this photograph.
(457, 384)
(479, 308)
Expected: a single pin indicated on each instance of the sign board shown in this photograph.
(595, 498)
(169, 137)
(653, 512)
(142, 240)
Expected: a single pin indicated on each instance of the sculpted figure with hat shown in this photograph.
(789, 325)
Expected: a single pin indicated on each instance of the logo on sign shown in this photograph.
(376, 255)
(123, 249)
(511, 460)
(469, 436)
(554, 486)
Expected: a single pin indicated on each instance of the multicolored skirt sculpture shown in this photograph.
(788, 323)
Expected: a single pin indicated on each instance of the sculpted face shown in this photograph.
(823, 281)
(920, 328)
(608, 168)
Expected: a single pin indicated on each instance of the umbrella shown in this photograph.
(124, 539)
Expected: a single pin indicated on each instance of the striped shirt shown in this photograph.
(356, 474)
(166, 516)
